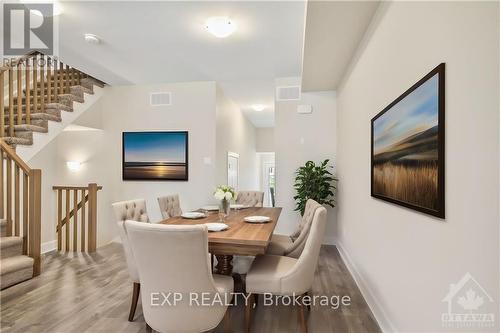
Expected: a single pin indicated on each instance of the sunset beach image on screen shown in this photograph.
(155, 155)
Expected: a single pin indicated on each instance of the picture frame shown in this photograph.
(155, 155)
(408, 147)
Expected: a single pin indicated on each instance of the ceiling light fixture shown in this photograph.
(220, 26)
(74, 166)
(258, 107)
(92, 39)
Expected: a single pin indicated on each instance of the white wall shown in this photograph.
(265, 139)
(127, 109)
(404, 260)
(297, 139)
(235, 133)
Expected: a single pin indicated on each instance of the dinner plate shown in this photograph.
(216, 226)
(238, 206)
(210, 208)
(193, 215)
(257, 219)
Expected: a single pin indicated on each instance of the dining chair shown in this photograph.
(250, 198)
(292, 246)
(285, 276)
(174, 260)
(130, 210)
(170, 206)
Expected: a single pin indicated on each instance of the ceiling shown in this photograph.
(333, 32)
(163, 42)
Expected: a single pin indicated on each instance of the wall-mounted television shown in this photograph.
(155, 156)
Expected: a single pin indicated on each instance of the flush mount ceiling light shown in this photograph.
(220, 26)
(92, 39)
(258, 107)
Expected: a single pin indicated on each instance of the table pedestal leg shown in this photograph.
(224, 264)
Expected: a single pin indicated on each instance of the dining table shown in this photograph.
(240, 238)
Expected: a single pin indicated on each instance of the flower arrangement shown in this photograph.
(224, 192)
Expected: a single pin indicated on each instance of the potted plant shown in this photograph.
(224, 194)
(314, 182)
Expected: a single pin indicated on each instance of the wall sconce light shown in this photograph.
(74, 166)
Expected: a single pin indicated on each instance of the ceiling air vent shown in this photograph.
(160, 98)
(289, 93)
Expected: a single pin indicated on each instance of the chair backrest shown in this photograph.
(250, 198)
(299, 237)
(170, 206)
(300, 277)
(174, 259)
(134, 210)
(129, 210)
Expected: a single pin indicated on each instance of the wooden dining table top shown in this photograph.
(241, 238)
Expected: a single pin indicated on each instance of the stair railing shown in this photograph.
(20, 202)
(28, 83)
(75, 199)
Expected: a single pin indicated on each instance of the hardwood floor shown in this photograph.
(92, 293)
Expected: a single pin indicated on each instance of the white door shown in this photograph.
(232, 170)
(269, 183)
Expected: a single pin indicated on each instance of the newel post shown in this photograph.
(35, 218)
(92, 239)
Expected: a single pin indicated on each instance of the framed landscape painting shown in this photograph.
(407, 150)
(155, 156)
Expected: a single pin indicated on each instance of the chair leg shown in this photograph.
(135, 298)
(302, 319)
(227, 321)
(308, 305)
(248, 312)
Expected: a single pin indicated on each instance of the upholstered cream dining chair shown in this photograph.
(130, 210)
(170, 206)
(281, 275)
(292, 246)
(250, 198)
(174, 259)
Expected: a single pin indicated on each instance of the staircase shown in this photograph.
(39, 96)
(20, 218)
(35, 91)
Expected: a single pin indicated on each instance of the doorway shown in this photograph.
(233, 169)
(268, 178)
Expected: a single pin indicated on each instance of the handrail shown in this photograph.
(12, 154)
(61, 187)
(20, 60)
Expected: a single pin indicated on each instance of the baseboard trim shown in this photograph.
(49, 246)
(378, 312)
